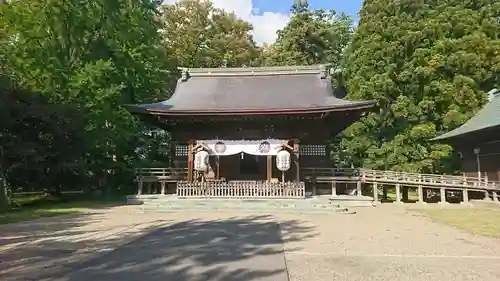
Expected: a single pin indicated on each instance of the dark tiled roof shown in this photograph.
(253, 89)
(487, 117)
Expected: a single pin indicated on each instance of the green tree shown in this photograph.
(311, 37)
(428, 64)
(41, 144)
(198, 35)
(96, 55)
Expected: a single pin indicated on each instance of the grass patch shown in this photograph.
(37, 206)
(483, 219)
(391, 195)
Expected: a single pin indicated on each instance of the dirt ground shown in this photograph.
(388, 242)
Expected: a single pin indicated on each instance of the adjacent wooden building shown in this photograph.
(243, 117)
(478, 141)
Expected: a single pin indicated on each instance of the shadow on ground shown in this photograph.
(51, 227)
(249, 248)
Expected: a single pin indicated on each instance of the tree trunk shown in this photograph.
(4, 195)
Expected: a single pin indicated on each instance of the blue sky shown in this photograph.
(350, 7)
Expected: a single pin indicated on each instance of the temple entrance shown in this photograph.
(243, 166)
(252, 167)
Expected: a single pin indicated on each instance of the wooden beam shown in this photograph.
(190, 160)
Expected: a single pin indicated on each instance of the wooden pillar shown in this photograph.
(296, 150)
(465, 195)
(358, 188)
(465, 191)
(375, 192)
(162, 183)
(269, 166)
(398, 193)
(217, 164)
(487, 195)
(442, 194)
(384, 193)
(190, 160)
(139, 186)
(334, 188)
(420, 191)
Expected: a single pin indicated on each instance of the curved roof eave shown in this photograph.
(362, 105)
(485, 118)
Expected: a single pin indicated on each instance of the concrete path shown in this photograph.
(383, 243)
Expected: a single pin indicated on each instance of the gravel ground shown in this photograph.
(390, 243)
(383, 243)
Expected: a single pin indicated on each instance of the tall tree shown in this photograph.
(198, 35)
(41, 144)
(96, 55)
(311, 37)
(428, 64)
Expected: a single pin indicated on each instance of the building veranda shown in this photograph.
(249, 132)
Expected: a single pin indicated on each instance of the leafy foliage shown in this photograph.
(428, 64)
(94, 56)
(38, 138)
(198, 35)
(67, 66)
(311, 37)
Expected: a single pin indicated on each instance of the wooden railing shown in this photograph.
(403, 178)
(331, 176)
(160, 174)
(241, 189)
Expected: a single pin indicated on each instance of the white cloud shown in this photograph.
(265, 25)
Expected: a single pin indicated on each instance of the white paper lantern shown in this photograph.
(283, 160)
(201, 161)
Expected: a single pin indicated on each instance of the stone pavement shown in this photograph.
(383, 243)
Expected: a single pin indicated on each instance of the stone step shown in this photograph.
(244, 208)
(244, 203)
(276, 203)
(352, 201)
(250, 205)
(251, 211)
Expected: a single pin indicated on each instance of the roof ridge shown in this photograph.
(255, 71)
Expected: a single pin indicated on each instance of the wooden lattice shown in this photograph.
(181, 150)
(241, 189)
(313, 150)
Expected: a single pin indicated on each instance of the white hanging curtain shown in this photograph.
(253, 147)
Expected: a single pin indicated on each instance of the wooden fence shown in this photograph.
(241, 189)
